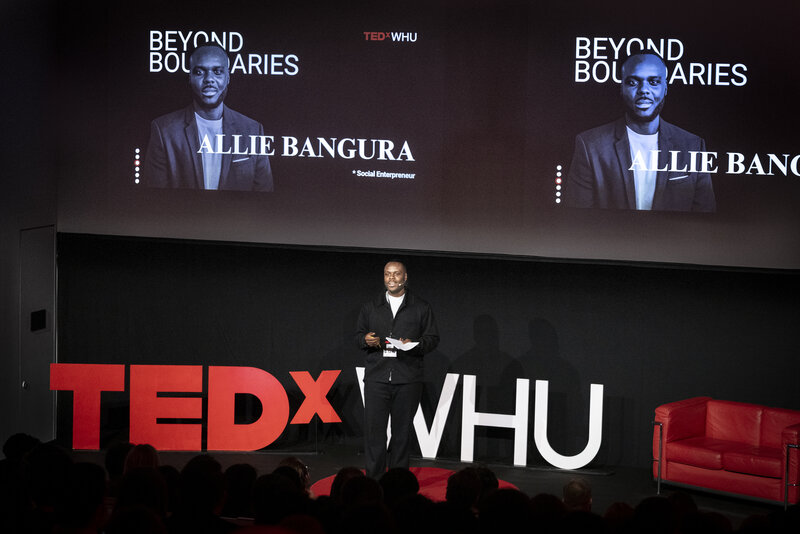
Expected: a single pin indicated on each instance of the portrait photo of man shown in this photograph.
(640, 161)
(207, 145)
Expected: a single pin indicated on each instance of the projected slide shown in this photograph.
(288, 102)
(652, 113)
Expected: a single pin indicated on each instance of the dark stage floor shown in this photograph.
(609, 484)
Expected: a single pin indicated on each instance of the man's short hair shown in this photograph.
(645, 53)
(211, 44)
(395, 260)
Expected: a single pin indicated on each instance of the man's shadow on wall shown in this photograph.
(567, 409)
(496, 372)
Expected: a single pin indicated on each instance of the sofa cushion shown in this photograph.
(760, 461)
(773, 422)
(734, 421)
(699, 452)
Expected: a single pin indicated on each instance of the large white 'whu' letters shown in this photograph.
(429, 440)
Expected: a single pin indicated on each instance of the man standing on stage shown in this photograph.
(393, 376)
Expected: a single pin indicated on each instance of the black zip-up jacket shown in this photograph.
(414, 321)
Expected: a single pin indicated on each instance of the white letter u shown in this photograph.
(595, 429)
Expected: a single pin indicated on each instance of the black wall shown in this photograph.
(650, 334)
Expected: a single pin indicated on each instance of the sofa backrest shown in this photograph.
(734, 421)
(773, 422)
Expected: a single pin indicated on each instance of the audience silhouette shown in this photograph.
(42, 491)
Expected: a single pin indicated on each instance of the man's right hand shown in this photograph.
(372, 340)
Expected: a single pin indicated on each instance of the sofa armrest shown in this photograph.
(681, 419)
(673, 421)
(791, 434)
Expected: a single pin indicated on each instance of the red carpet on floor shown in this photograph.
(432, 482)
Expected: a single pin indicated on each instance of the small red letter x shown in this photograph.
(315, 401)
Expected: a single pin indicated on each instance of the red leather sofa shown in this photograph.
(730, 447)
